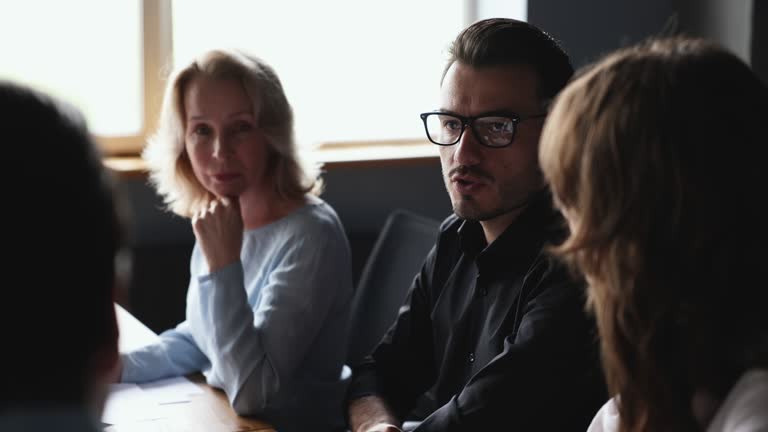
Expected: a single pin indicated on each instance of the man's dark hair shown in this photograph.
(504, 41)
(61, 235)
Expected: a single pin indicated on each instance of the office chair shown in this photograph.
(396, 257)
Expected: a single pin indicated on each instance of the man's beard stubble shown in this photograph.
(468, 209)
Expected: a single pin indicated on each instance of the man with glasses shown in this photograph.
(493, 329)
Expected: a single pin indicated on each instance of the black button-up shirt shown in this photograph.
(496, 332)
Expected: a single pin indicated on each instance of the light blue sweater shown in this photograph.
(270, 330)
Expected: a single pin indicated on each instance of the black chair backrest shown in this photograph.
(396, 258)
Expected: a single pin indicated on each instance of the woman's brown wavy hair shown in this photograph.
(657, 156)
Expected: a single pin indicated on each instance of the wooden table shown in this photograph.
(207, 412)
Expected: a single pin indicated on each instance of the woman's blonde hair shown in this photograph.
(657, 155)
(168, 162)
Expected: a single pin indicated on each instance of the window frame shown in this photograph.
(157, 49)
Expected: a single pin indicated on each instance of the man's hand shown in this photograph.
(383, 427)
(219, 231)
(371, 414)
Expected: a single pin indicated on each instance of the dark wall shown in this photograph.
(728, 22)
(760, 39)
(363, 196)
(588, 29)
(161, 244)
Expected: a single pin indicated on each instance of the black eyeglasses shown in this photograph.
(491, 130)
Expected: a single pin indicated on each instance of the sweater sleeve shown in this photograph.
(174, 354)
(256, 349)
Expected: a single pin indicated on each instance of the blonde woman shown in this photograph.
(656, 156)
(269, 294)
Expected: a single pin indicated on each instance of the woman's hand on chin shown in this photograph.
(218, 227)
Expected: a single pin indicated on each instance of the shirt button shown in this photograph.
(471, 357)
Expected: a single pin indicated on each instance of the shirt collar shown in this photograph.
(521, 242)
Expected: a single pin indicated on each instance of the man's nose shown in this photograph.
(468, 150)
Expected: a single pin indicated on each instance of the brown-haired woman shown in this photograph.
(656, 156)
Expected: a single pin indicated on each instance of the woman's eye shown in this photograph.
(202, 130)
(243, 127)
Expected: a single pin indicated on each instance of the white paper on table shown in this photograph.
(171, 390)
(128, 403)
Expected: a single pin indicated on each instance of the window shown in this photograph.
(354, 70)
(94, 64)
